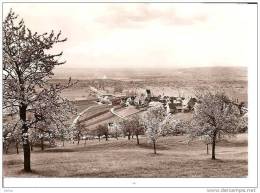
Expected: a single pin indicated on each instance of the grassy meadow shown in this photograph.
(123, 158)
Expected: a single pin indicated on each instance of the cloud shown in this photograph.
(141, 14)
(147, 35)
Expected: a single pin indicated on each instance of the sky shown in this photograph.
(146, 35)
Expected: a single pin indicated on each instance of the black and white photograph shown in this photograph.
(130, 94)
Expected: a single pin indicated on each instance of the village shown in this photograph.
(172, 104)
(114, 108)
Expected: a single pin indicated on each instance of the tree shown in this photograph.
(243, 123)
(27, 67)
(33, 137)
(207, 141)
(101, 130)
(11, 134)
(214, 117)
(78, 130)
(98, 132)
(137, 127)
(114, 129)
(126, 128)
(63, 134)
(173, 126)
(153, 122)
(85, 136)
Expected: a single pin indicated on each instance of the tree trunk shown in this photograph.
(25, 140)
(154, 147)
(106, 137)
(207, 149)
(17, 148)
(137, 140)
(42, 144)
(6, 149)
(78, 139)
(98, 138)
(129, 136)
(213, 157)
(3, 147)
(31, 145)
(27, 157)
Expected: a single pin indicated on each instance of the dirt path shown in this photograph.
(82, 113)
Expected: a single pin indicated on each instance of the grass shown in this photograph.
(123, 158)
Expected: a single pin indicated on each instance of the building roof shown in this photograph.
(171, 106)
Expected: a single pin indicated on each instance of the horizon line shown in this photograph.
(156, 68)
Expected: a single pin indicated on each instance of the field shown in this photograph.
(123, 158)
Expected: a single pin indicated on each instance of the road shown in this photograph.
(82, 113)
(110, 116)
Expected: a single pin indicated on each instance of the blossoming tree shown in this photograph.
(27, 67)
(214, 117)
(153, 121)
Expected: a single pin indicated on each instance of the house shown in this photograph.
(110, 125)
(179, 109)
(130, 101)
(188, 103)
(148, 94)
(178, 101)
(171, 108)
(116, 101)
(172, 99)
(139, 100)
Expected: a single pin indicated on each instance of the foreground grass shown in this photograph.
(123, 158)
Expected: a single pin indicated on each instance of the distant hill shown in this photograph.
(215, 73)
(201, 73)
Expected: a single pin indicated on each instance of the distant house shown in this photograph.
(124, 99)
(139, 100)
(148, 94)
(130, 100)
(179, 109)
(171, 108)
(172, 99)
(177, 101)
(110, 125)
(188, 103)
(116, 101)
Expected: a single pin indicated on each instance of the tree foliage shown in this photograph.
(126, 128)
(102, 130)
(214, 117)
(27, 66)
(153, 121)
(172, 126)
(132, 126)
